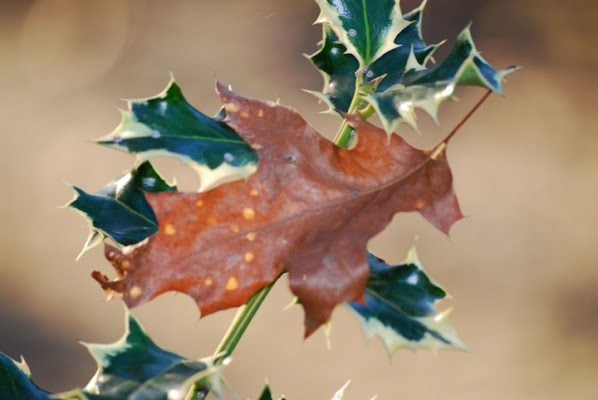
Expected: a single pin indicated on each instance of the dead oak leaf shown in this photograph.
(310, 209)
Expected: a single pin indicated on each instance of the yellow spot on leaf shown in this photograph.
(251, 236)
(198, 285)
(248, 213)
(420, 204)
(257, 146)
(248, 256)
(244, 114)
(125, 265)
(212, 221)
(234, 228)
(169, 229)
(199, 203)
(208, 282)
(254, 192)
(135, 292)
(231, 107)
(232, 283)
(260, 113)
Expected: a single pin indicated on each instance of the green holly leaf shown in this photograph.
(427, 88)
(341, 70)
(135, 368)
(338, 69)
(412, 53)
(366, 28)
(267, 394)
(398, 307)
(131, 368)
(167, 125)
(16, 383)
(120, 210)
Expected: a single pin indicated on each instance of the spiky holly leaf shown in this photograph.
(267, 394)
(366, 28)
(428, 88)
(398, 307)
(131, 368)
(16, 383)
(338, 69)
(411, 53)
(167, 125)
(310, 209)
(341, 70)
(135, 368)
(120, 210)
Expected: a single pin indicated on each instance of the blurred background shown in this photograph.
(522, 268)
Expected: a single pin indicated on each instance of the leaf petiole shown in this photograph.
(345, 134)
(240, 323)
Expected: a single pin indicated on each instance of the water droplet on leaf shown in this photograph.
(228, 157)
(156, 134)
(117, 139)
(352, 32)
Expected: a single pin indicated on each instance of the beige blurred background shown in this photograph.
(522, 268)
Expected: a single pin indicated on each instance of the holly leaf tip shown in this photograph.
(166, 125)
(399, 308)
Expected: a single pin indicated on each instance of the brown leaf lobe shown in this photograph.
(310, 209)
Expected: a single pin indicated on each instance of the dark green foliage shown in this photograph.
(267, 394)
(15, 381)
(120, 210)
(398, 306)
(427, 88)
(374, 59)
(166, 125)
(131, 368)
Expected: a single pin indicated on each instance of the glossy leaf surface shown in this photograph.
(131, 368)
(338, 69)
(167, 125)
(120, 210)
(135, 368)
(341, 70)
(411, 53)
(16, 383)
(366, 28)
(399, 307)
(428, 88)
(310, 209)
(398, 79)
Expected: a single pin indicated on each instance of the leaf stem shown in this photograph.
(343, 137)
(467, 116)
(240, 323)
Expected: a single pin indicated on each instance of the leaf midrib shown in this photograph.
(269, 225)
(368, 47)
